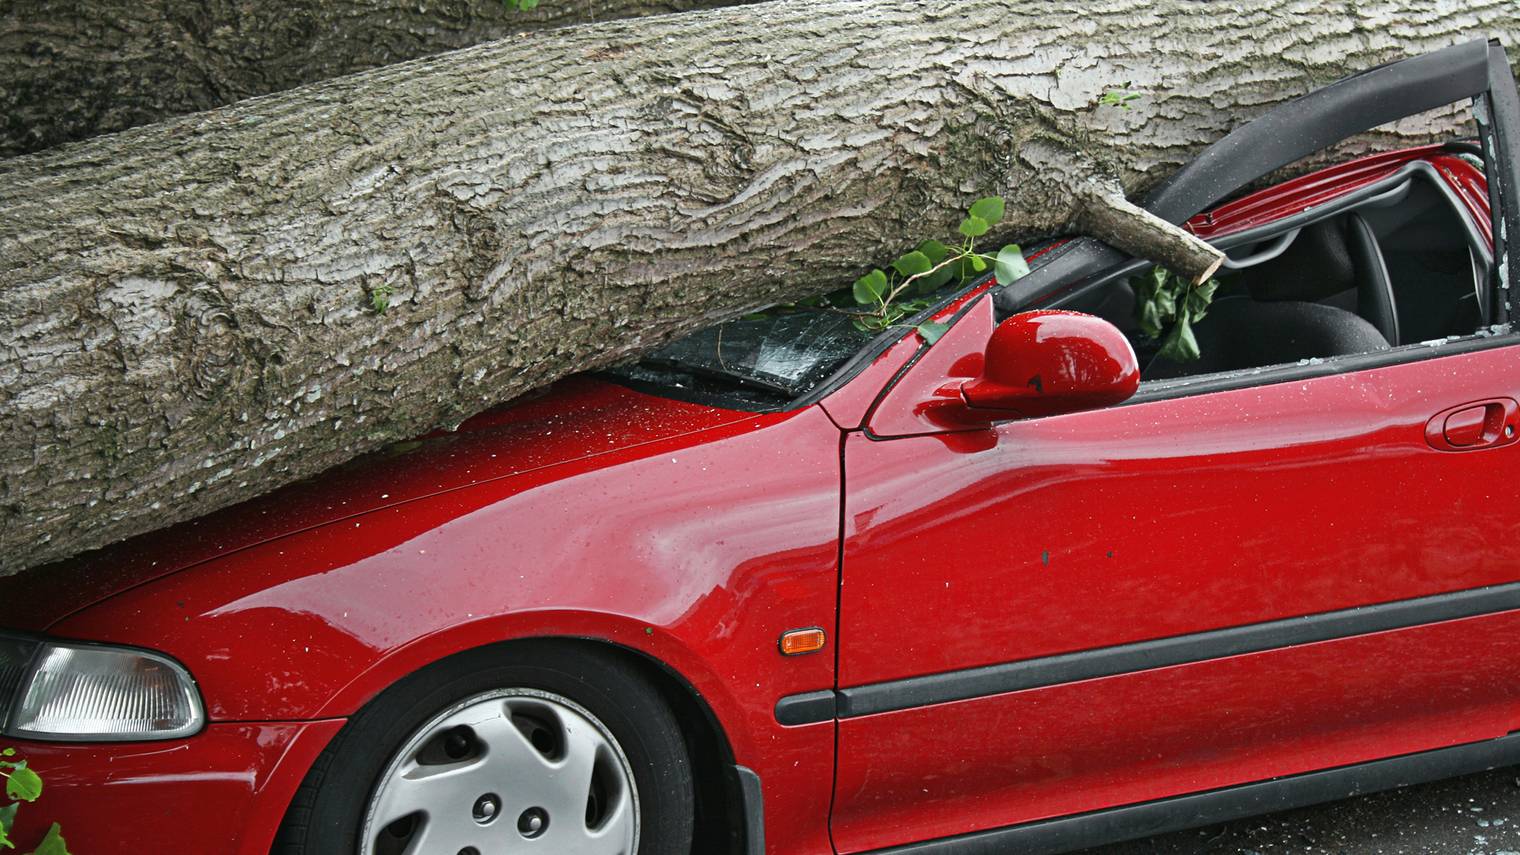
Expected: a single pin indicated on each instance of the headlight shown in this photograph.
(54, 690)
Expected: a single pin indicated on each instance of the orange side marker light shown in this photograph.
(796, 642)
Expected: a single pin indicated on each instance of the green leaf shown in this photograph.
(1166, 303)
(934, 251)
(989, 209)
(1011, 264)
(1180, 345)
(8, 752)
(23, 784)
(1150, 319)
(974, 226)
(978, 263)
(1200, 297)
(913, 264)
(870, 288)
(7, 822)
(932, 331)
(52, 843)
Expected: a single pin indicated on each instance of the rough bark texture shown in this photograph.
(184, 305)
(1103, 212)
(72, 69)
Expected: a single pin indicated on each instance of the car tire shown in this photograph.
(548, 691)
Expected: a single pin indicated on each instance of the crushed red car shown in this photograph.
(794, 587)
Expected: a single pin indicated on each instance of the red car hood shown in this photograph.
(576, 418)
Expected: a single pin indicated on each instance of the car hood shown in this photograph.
(576, 418)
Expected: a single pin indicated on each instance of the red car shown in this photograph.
(796, 588)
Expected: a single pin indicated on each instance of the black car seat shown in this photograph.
(1282, 314)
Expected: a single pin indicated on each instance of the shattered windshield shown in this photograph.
(770, 358)
(762, 360)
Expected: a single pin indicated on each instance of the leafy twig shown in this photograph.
(891, 296)
(22, 784)
(1167, 306)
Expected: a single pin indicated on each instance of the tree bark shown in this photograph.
(72, 69)
(186, 306)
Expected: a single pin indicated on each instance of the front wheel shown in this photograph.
(573, 754)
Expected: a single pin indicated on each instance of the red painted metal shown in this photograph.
(579, 418)
(1048, 363)
(695, 536)
(221, 792)
(696, 551)
(849, 404)
(1326, 185)
(1140, 522)
(1024, 756)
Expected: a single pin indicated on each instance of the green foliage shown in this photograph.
(520, 5)
(883, 298)
(1011, 264)
(52, 843)
(932, 331)
(989, 209)
(1119, 98)
(380, 297)
(22, 784)
(871, 288)
(1167, 306)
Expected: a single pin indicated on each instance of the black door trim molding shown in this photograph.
(1181, 812)
(998, 679)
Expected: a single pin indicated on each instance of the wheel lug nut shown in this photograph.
(486, 808)
(532, 823)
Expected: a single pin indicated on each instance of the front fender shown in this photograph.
(697, 551)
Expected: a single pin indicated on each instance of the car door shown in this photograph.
(1237, 582)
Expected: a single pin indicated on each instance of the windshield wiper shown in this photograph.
(707, 372)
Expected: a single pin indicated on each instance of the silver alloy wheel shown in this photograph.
(506, 771)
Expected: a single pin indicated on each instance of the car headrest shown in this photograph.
(1316, 265)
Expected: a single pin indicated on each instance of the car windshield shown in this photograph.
(763, 359)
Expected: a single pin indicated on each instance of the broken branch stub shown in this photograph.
(1107, 215)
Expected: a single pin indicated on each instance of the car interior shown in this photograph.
(1399, 265)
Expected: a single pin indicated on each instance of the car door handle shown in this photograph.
(1474, 425)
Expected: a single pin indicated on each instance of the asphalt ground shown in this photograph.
(1475, 815)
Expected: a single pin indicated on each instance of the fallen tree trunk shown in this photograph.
(78, 68)
(187, 307)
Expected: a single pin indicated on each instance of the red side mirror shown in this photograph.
(1050, 362)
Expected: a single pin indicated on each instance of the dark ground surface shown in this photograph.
(1479, 814)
